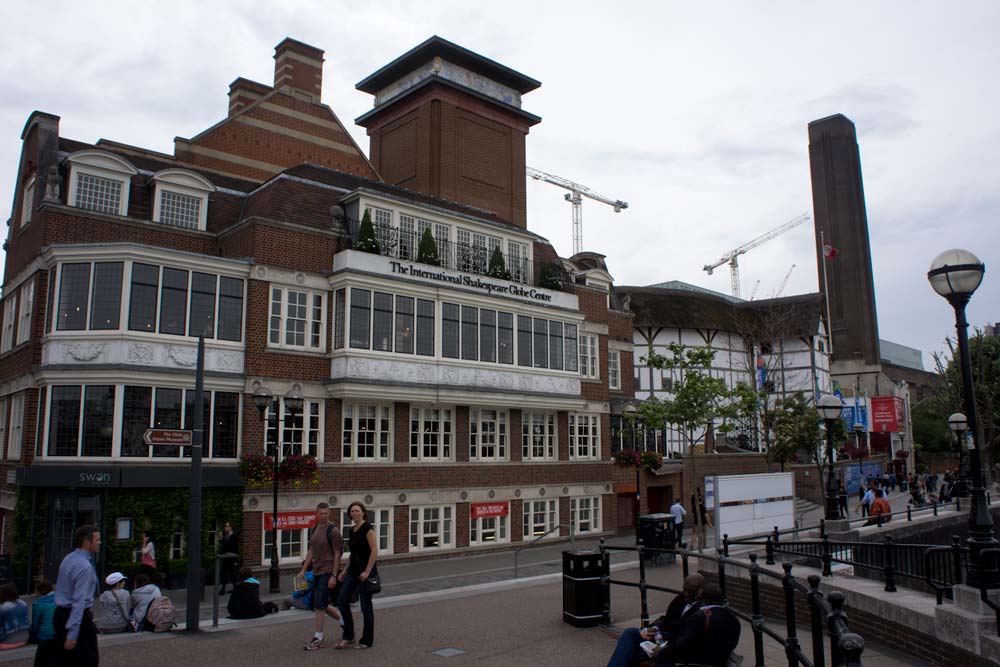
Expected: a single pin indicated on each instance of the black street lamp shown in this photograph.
(955, 275)
(630, 411)
(958, 425)
(293, 401)
(829, 408)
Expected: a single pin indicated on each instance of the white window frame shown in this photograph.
(589, 355)
(9, 319)
(420, 519)
(586, 446)
(614, 369)
(501, 529)
(282, 315)
(284, 537)
(381, 520)
(550, 437)
(445, 432)
(186, 183)
(546, 507)
(589, 506)
(382, 451)
(4, 403)
(16, 426)
(101, 164)
(501, 432)
(309, 406)
(27, 202)
(517, 261)
(27, 300)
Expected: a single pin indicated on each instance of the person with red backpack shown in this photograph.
(326, 546)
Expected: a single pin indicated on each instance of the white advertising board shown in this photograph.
(750, 504)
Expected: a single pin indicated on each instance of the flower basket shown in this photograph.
(632, 458)
(255, 469)
(294, 470)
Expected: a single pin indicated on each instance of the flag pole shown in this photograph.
(826, 294)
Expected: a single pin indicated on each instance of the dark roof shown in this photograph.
(436, 46)
(350, 182)
(797, 315)
(152, 162)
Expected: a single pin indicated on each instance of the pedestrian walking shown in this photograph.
(75, 640)
(326, 547)
(228, 545)
(701, 520)
(678, 512)
(361, 575)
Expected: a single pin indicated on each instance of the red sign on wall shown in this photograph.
(290, 520)
(887, 413)
(481, 510)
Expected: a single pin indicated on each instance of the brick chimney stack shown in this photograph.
(298, 69)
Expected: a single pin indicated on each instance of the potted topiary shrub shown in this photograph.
(427, 252)
(497, 267)
(366, 236)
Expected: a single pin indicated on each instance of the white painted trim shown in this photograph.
(179, 259)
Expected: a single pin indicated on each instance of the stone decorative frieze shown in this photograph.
(396, 371)
(74, 352)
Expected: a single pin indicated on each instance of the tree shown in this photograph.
(548, 277)
(497, 267)
(366, 236)
(930, 427)
(427, 252)
(985, 355)
(697, 400)
(797, 432)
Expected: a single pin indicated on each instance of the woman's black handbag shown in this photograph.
(373, 585)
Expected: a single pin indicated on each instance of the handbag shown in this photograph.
(373, 585)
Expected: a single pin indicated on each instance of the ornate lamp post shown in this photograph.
(293, 405)
(829, 408)
(630, 411)
(955, 275)
(958, 425)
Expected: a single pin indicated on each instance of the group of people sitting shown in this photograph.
(697, 629)
(123, 611)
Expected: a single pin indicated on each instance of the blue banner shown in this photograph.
(855, 475)
(848, 415)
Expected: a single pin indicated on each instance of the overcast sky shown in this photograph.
(696, 116)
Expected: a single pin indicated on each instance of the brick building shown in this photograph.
(465, 400)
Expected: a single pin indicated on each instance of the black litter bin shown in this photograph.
(586, 599)
(657, 532)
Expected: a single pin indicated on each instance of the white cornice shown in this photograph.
(135, 251)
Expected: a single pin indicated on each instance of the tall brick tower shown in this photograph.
(839, 212)
(448, 122)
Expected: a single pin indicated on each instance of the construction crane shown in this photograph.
(784, 283)
(753, 292)
(732, 257)
(575, 197)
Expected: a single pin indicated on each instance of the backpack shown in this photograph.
(161, 614)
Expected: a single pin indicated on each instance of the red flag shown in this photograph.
(829, 251)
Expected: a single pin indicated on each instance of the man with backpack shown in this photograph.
(326, 546)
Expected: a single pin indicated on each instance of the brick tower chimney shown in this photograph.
(298, 69)
(448, 122)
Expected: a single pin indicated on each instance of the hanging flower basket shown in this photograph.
(632, 458)
(294, 470)
(902, 453)
(859, 453)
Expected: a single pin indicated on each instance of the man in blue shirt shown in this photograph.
(75, 641)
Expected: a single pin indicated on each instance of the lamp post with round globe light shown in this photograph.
(955, 275)
(829, 408)
(958, 425)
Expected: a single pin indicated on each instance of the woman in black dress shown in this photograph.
(360, 566)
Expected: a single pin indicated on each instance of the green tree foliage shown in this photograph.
(930, 427)
(366, 236)
(497, 267)
(548, 277)
(796, 430)
(985, 354)
(697, 400)
(427, 251)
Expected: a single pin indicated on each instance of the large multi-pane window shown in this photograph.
(95, 193)
(339, 318)
(367, 432)
(404, 325)
(388, 323)
(431, 527)
(517, 261)
(81, 420)
(540, 516)
(167, 407)
(585, 514)
(589, 356)
(487, 435)
(300, 433)
(425, 327)
(430, 434)
(584, 436)
(450, 335)
(470, 333)
(614, 369)
(298, 318)
(538, 436)
(180, 210)
(380, 520)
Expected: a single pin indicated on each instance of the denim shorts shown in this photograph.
(321, 594)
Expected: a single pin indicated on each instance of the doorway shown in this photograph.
(626, 511)
(659, 498)
(67, 512)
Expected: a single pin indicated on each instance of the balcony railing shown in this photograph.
(392, 242)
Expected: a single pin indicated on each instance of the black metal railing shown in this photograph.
(826, 612)
(466, 257)
(984, 589)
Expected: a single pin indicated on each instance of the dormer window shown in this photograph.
(181, 198)
(100, 181)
